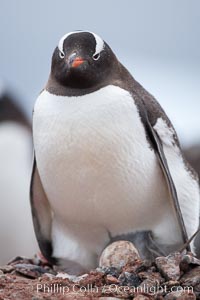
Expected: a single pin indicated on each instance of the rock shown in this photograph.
(64, 275)
(143, 266)
(111, 271)
(81, 277)
(118, 254)
(154, 276)
(110, 298)
(149, 286)
(30, 271)
(20, 259)
(151, 283)
(191, 278)
(141, 297)
(187, 261)
(197, 289)
(2, 276)
(190, 259)
(7, 269)
(180, 295)
(137, 279)
(111, 279)
(172, 283)
(138, 266)
(72, 278)
(49, 275)
(169, 266)
(93, 278)
(129, 279)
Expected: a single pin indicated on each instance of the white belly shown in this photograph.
(15, 160)
(95, 163)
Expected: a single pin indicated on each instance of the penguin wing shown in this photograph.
(41, 214)
(150, 111)
(158, 147)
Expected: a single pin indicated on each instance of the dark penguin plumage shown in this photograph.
(192, 155)
(102, 144)
(10, 111)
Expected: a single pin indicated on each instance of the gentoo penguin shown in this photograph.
(107, 160)
(192, 155)
(16, 229)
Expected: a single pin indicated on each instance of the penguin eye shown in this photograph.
(61, 54)
(96, 56)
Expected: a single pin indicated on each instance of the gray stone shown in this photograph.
(187, 261)
(180, 295)
(129, 279)
(118, 254)
(7, 269)
(141, 297)
(169, 266)
(191, 278)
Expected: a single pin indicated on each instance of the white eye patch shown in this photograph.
(99, 42)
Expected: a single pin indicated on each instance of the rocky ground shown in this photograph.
(176, 276)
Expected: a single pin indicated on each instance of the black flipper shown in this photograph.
(42, 215)
(158, 147)
(150, 110)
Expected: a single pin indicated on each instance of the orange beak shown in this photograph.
(77, 62)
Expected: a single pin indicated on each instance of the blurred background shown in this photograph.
(158, 41)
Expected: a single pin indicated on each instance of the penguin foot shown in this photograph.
(152, 248)
(42, 258)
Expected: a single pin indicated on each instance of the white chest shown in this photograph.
(94, 159)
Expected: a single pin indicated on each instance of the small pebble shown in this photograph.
(49, 275)
(7, 269)
(65, 276)
(129, 279)
(191, 278)
(71, 277)
(141, 297)
(29, 270)
(112, 271)
(188, 261)
(180, 295)
(169, 266)
(110, 298)
(111, 279)
(118, 254)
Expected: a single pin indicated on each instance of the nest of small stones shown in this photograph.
(176, 276)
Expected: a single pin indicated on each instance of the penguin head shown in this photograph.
(11, 110)
(82, 60)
